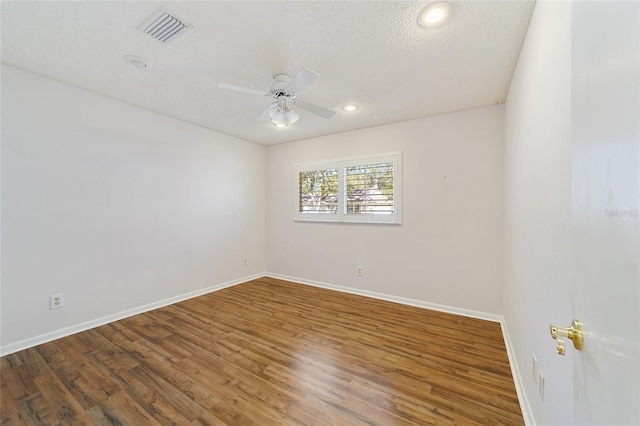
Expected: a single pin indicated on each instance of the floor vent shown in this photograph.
(163, 26)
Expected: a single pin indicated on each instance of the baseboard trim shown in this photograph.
(67, 331)
(527, 412)
(390, 298)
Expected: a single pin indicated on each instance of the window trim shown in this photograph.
(341, 164)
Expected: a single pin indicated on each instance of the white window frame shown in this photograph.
(340, 215)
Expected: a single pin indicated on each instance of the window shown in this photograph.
(353, 190)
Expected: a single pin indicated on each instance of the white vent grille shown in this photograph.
(163, 26)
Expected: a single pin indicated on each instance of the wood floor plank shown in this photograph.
(9, 411)
(33, 362)
(268, 352)
(36, 410)
(122, 410)
(162, 406)
(67, 410)
(182, 404)
(18, 381)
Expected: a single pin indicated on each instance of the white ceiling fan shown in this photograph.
(283, 90)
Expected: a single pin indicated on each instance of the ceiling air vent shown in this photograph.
(163, 26)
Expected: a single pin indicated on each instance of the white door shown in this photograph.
(606, 203)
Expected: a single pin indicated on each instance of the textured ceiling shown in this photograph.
(370, 53)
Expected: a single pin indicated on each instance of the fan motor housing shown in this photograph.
(278, 90)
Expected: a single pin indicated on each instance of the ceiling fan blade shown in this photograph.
(316, 109)
(266, 114)
(241, 89)
(301, 79)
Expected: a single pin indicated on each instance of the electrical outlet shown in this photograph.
(245, 261)
(56, 301)
(534, 368)
(541, 385)
(359, 271)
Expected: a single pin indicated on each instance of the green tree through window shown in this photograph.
(370, 189)
(318, 191)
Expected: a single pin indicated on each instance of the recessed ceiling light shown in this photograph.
(350, 107)
(137, 61)
(434, 14)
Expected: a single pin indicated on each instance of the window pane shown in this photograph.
(318, 191)
(369, 189)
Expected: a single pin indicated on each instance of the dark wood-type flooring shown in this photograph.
(268, 352)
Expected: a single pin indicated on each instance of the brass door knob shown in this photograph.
(573, 333)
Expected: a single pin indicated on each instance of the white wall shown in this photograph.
(537, 286)
(448, 249)
(116, 207)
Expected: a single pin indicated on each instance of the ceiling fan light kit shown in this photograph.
(281, 113)
(281, 116)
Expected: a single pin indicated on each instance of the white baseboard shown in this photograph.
(527, 412)
(67, 331)
(390, 298)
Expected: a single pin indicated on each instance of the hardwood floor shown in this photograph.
(268, 352)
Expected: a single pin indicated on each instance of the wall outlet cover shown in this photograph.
(56, 301)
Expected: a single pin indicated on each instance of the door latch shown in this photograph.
(573, 333)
